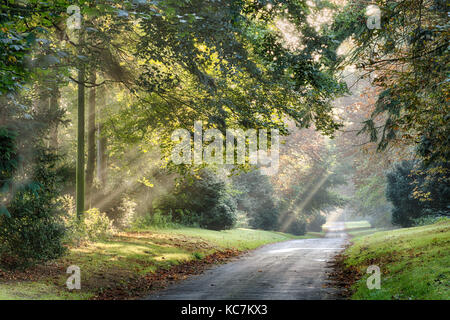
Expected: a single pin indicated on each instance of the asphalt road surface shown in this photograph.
(291, 270)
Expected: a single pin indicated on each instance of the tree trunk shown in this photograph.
(54, 108)
(91, 142)
(101, 143)
(42, 104)
(80, 146)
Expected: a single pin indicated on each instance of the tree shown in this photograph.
(237, 70)
(80, 182)
(408, 60)
(101, 139)
(91, 150)
(31, 229)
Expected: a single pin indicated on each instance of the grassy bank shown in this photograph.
(130, 257)
(414, 262)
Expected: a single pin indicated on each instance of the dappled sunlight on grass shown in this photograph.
(240, 238)
(128, 255)
(37, 290)
(173, 257)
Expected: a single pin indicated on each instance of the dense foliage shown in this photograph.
(404, 182)
(203, 201)
(405, 62)
(408, 58)
(31, 229)
(257, 199)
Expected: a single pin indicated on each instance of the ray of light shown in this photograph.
(302, 205)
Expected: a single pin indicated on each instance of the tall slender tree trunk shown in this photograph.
(80, 147)
(91, 142)
(54, 108)
(101, 143)
(42, 103)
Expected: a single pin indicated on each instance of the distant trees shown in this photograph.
(304, 186)
(256, 197)
(316, 222)
(308, 199)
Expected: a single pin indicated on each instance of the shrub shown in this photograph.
(297, 226)
(399, 191)
(31, 228)
(127, 212)
(416, 191)
(155, 220)
(205, 201)
(93, 224)
(266, 217)
(431, 219)
(256, 198)
(96, 225)
(221, 216)
(316, 222)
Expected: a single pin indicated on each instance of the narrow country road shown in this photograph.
(290, 270)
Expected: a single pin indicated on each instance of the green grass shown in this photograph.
(363, 232)
(415, 262)
(241, 238)
(357, 224)
(131, 254)
(37, 290)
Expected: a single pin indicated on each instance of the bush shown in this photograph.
(297, 226)
(256, 198)
(432, 219)
(266, 217)
(399, 190)
(93, 224)
(416, 191)
(127, 212)
(31, 228)
(221, 216)
(155, 220)
(96, 225)
(204, 201)
(316, 222)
